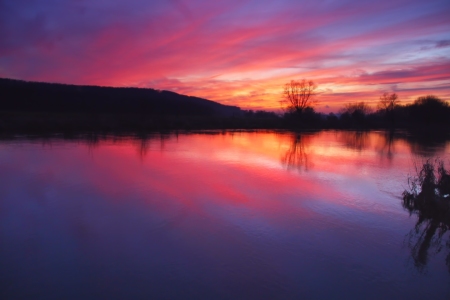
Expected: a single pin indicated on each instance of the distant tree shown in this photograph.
(298, 95)
(355, 113)
(360, 108)
(388, 102)
(332, 120)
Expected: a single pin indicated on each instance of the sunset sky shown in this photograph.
(234, 52)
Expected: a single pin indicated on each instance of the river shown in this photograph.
(217, 215)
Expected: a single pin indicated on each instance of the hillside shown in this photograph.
(23, 96)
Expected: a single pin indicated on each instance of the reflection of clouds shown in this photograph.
(245, 158)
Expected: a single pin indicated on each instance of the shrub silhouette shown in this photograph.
(428, 198)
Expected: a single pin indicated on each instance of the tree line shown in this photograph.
(299, 100)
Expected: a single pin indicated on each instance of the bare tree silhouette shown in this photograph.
(298, 95)
(387, 103)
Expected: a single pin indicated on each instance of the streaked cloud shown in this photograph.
(234, 52)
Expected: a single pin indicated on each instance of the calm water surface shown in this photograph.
(243, 215)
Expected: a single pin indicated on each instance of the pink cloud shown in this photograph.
(232, 52)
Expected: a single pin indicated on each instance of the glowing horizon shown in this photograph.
(233, 52)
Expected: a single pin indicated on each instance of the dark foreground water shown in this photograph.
(253, 215)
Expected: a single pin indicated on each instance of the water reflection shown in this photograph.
(355, 140)
(299, 147)
(428, 143)
(296, 157)
(427, 239)
(92, 141)
(388, 147)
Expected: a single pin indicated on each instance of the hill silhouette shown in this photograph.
(23, 96)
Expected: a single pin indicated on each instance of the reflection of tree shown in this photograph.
(361, 140)
(387, 148)
(428, 199)
(428, 142)
(93, 141)
(420, 142)
(163, 138)
(427, 237)
(143, 143)
(143, 146)
(357, 140)
(296, 157)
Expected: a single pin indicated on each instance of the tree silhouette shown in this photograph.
(298, 95)
(354, 114)
(430, 110)
(387, 103)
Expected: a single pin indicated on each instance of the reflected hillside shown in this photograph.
(142, 142)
